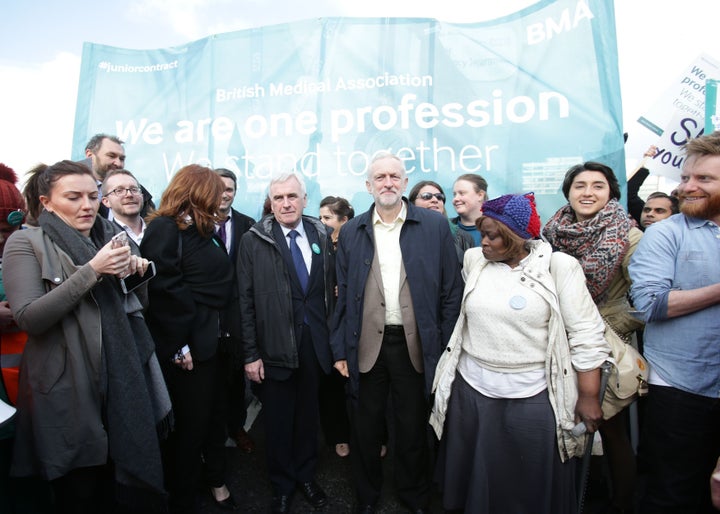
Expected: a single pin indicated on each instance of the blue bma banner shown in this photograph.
(518, 100)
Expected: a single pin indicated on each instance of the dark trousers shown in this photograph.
(93, 489)
(227, 417)
(214, 448)
(394, 373)
(233, 383)
(85, 491)
(194, 396)
(679, 448)
(333, 409)
(237, 408)
(621, 460)
(290, 415)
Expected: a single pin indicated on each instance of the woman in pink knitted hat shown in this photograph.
(520, 371)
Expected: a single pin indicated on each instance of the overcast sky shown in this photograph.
(41, 45)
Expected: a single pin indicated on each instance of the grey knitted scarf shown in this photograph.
(136, 407)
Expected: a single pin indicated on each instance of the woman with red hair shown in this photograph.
(193, 284)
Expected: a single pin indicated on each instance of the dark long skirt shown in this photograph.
(501, 456)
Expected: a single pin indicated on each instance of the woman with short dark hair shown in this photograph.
(595, 229)
(335, 211)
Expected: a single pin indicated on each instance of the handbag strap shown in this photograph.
(624, 338)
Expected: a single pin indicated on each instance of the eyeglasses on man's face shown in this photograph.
(427, 196)
(122, 191)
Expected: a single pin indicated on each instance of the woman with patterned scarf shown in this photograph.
(595, 229)
(92, 404)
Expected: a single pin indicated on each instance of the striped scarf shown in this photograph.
(600, 243)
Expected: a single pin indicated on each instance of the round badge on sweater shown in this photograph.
(518, 302)
(15, 218)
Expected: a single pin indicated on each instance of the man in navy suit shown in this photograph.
(399, 293)
(287, 279)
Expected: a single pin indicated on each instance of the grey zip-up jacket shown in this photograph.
(268, 327)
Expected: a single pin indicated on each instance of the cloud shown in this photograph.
(195, 19)
(191, 19)
(40, 102)
(453, 11)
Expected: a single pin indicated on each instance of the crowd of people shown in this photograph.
(129, 333)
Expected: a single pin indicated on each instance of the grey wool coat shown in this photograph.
(59, 423)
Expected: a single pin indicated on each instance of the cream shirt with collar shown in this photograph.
(387, 246)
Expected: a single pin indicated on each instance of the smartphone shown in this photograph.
(119, 240)
(132, 282)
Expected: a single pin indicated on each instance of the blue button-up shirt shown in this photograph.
(680, 253)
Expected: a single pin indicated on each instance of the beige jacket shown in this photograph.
(373, 321)
(616, 309)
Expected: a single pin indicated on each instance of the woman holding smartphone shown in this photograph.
(91, 398)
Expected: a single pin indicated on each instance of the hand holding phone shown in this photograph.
(110, 260)
(119, 240)
(134, 281)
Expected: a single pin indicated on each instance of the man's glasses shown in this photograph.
(122, 191)
(428, 196)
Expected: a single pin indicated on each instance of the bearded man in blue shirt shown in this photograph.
(675, 276)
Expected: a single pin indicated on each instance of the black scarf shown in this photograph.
(133, 403)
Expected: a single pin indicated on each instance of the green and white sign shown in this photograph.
(712, 106)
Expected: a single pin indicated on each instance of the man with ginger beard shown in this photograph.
(675, 274)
